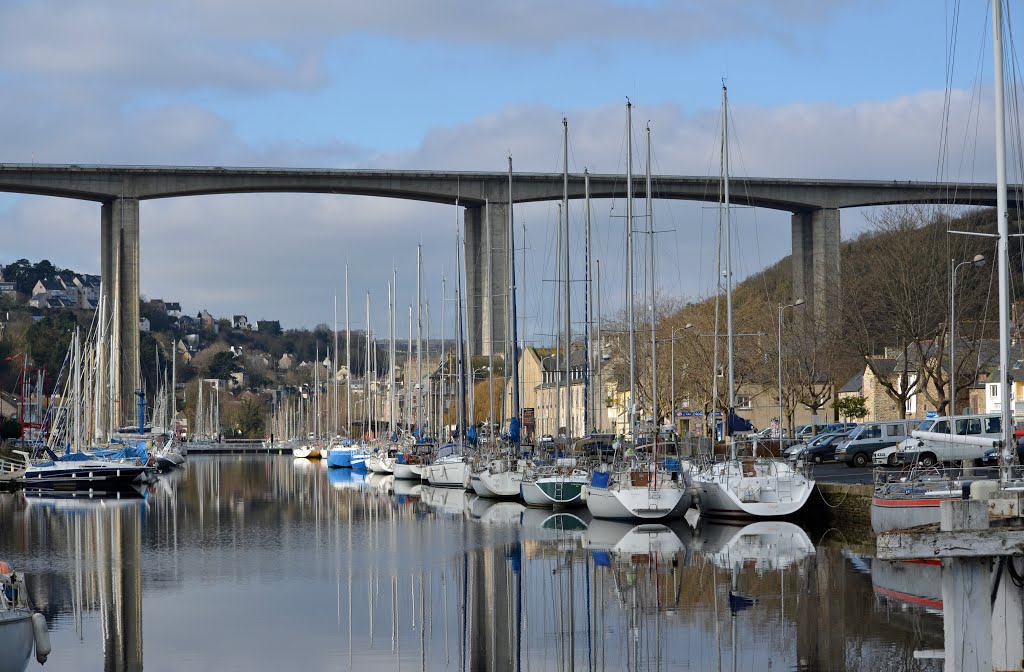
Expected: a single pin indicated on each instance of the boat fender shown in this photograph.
(41, 636)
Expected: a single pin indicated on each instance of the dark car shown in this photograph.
(823, 450)
(991, 455)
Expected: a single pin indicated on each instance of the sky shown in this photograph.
(853, 89)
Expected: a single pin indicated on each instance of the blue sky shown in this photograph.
(829, 89)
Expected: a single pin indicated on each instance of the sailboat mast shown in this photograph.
(334, 373)
(728, 265)
(650, 295)
(458, 335)
(629, 267)
(490, 321)
(443, 401)
(512, 293)
(407, 375)
(367, 406)
(587, 388)
(419, 333)
(348, 359)
(1006, 412)
(391, 351)
(76, 394)
(565, 278)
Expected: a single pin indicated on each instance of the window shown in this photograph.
(941, 427)
(894, 430)
(992, 425)
(993, 390)
(743, 401)
(870, 432)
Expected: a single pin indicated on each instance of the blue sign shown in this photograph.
(695, 414)
(931, 414)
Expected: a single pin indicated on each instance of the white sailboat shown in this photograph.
(502, 476)
(751, 487)
(20, 627)
(640, 487)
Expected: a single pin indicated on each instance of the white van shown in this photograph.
(972, 435)
(889, 456)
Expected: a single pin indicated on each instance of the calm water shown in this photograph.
(269, 563)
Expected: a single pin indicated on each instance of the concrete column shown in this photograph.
(120, 276)
(108, 262)
(816, 236)
(486, 306)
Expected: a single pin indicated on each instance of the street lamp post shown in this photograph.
(798, 302)
(673, 370)
(978, 261)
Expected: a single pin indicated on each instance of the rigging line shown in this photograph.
(743, 171)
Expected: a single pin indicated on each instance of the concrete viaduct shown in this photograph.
(814, 204)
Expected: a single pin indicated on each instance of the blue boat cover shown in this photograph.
(601, 558)
(599, 479)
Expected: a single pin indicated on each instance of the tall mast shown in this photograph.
(490, 321)
(650, 294)
(392, 290)
(728, 268)
(565, 264)
(512, 308)
(587, 391)
(174, 385)
(443, 405)
(1006, 412)
(407, 375)
(558, 341)
(336, 408)
(348, 358)
(458, 337)
(367, 406)
(629, 267)
(419, 333)
(600, 344)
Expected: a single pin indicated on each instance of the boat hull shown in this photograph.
(503, 485)
(633, 503)
(82, 476)
(900, 514)
(551, 492)
(406, 472)
(448, 474)
(766, 490)
(16, 640)
(339, 458)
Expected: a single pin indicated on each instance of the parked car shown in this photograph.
(966, 443)
(991, 455)
(791, 452)
(858, 449)
(822, 449)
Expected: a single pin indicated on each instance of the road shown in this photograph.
(840, 473)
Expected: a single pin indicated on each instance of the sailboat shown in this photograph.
(502, 476)
(451, 466)
(639, 487)
(916, 498)
(562, 481)
(761, 487)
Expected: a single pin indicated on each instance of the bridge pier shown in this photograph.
(486, 249)
(816, 263)
(119, 269)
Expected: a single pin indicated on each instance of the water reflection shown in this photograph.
(269, 563)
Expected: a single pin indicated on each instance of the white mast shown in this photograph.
(490, 320)
(1006, 412)
(565, 263)
(728, 269)
(348, 358)
(419, 333)
(631, 407)
(650, 295)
